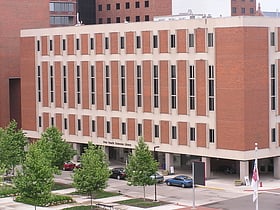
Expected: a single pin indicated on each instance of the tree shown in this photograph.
(141, 165)
(35, 181)
(59, 150)
(12, 144)
(94, 173)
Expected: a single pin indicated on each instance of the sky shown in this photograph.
(217, 7)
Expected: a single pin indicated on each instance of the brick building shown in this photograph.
(62, 12)
(243, 7)
(202, 88)
(14, 17)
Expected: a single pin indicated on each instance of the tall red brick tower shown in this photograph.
(243, 7)
(23, 14)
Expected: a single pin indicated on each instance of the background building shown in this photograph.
(202, 88)
(243, 7)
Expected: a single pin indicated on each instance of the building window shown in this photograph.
(156, 131)
(118, 6)
(273, 86)
(252, 11)
(123, 87)
(39, 83)
(92, 85)
(272, 39)
(243, 10)
(174, 132)
(210, 40)
(107, 84)
(156, 86)
(139, 86)
(63, 44)
(93, 125)
(139, 129)
(51, 45)
(127, 18)
(123, 128)
(122, 42)
(52, 84)
(64, 84)
(52, 121)
(147, 18)
(108, 127)
(108, 6)
(192, 134)
(191, 40)
(78, 85)
(106, 43)
(91, 43)
(118, 19)
(127, 5)
(109, 20)
(155, 41)
(65, 124)
(211, 88)
(38, 45)
(77, 44)
(100, 7)
(79, 124)
(192, 87)
(137, 4)
(137, 19)
(40, 121)
(273, 135)
(233, 10)
(211, 136)
(173, 41)
(147, 4)
(173, 87)
(100, 20)
(138, 42)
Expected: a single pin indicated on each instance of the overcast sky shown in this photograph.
(217, 7)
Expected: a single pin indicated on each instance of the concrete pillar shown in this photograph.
(244, 170)
(207, 163)
(77, 148)
(106, 150)
(276, 165)
(168, 161)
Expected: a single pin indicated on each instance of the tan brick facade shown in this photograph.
(221, 84)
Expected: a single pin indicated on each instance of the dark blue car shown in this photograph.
(181, 180)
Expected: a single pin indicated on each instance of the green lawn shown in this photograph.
(6, 191)
(137, 202)
(99, 194)
(61, 186)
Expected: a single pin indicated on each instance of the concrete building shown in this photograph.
(199, 89)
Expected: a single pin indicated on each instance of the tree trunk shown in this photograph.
(144, 193)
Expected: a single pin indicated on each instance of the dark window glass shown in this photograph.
(138, 42)
(147, 17)
(147, 4)
(137, 18)
(93, 125)
(156, 131)
(192, 134)
(38, 45)
(91, 43)
(63, 44)
(118, 19)
(51, 45)
(155, 41)
(174, 132)
(137, 4)
(108, 6)
(99, 7)
(127, 5)
(118, 5)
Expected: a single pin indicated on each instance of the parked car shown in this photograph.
(68, 166)
(118, 173)
(159, 177)
(181, 180)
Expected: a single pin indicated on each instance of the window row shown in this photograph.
(124, 85)
(127, 19)
(123, 129)
(61, 20)
(61, 7)
(119, 43)
(126, 5)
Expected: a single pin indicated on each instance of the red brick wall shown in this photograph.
(71, 84)
(182, 84)
(58, 88)
(131, 132)
(85, 124)
(114, 42)
(70, 44)
(115, 128)
(238, 4)
(147, 85)
(129, 42)
(148, 130)
(181, 40)
(99, 85)
(201, 87)
(28, 101)
(201, 135)
(163, 41)
(84, 44)
(182, 133)
(164, 131)
(200, 40)
(242, 88)
(146, 42)
(57, 45)
(164, 91)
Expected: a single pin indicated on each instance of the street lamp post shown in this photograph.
(155, 147)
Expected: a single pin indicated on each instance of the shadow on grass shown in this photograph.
(139, 202)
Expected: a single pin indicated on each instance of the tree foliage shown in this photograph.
(141, 165)
(35, 180)
(94, 173)
(59, 151)
(12, 144)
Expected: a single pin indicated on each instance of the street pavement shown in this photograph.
(218, 194)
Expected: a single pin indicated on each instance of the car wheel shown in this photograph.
(118, 177)
(183, 185)
(168, 183)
